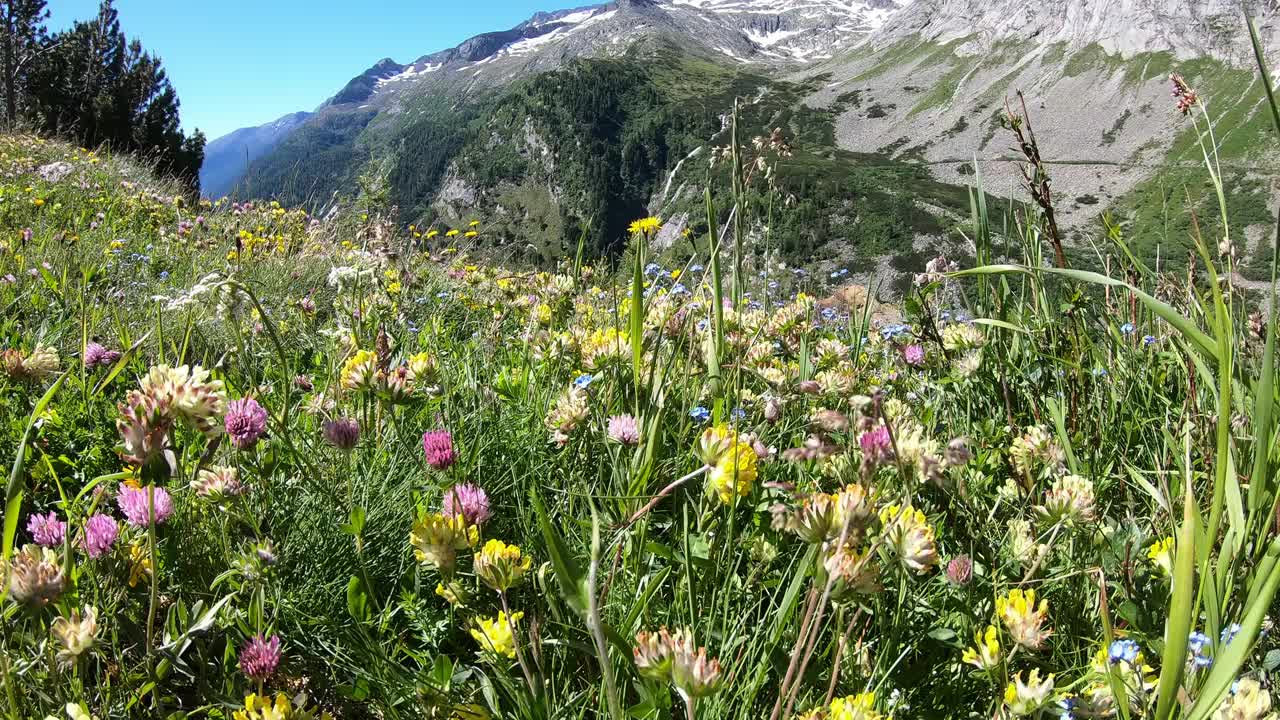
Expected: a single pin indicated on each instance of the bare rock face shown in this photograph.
(1125, 27)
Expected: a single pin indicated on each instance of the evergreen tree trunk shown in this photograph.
(10, 69)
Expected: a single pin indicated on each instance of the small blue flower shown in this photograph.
(1099, 372)
(1148, 339)
(652, 269)
(1126, 329)
(696, 268)
(945, 314)
(164, 274)
(773, 284)
(828, 313)
(1229, 633)
(582, 381)
(962, 316)
(1122, 651)
(754, 305)
(894, 330)
(700, 414)
(679, 289)
(1197, 642)
(835, 274)
(703, 324)
(738, 413)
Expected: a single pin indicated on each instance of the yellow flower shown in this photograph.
(542, 314)
(1161, 554)
(393, 288)
(473, 223)
(734, 473)
(497, 635)
(139, 563)
(422, 367)
(500, 565)
(647, 225)
(432, 233)
(985, 653)
(854, 707)
(470, 233)
(436, 538)
(358, 371)
(262, 708)
(675, 274)
(1022, 618)
(451, 233)
(714, 442)
(907, 532)
(76, 633)
(1248, 701)
(1024, 698)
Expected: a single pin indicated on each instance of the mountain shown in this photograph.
(227, 158)
(600, 114)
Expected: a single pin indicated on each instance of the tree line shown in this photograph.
(92, 85)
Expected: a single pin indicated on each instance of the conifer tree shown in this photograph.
(23, 37)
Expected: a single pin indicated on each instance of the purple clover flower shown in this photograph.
(100, 533)
(624, 429)
(246, 421)
(47, 530)
(437, 445)
(260, 657)
(467, 500)
(134, 504)
(95, 355)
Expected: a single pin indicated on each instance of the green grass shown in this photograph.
(1055, 426)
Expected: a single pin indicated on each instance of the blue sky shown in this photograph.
(236, 63)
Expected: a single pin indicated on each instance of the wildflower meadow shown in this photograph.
(265, 465)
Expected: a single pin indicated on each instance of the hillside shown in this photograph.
(898, 97)
(227, 158)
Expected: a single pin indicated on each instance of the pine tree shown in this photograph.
(102, 89)
(23, 36)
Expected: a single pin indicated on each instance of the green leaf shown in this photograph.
(1271, 661)
(17, 487)
(1231, 657)
(570, 577)
(355, 522)
(357, 600)
(1178, 626)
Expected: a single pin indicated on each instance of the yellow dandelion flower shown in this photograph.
(648, 226)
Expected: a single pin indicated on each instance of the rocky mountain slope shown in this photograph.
(587, 116)
(227, 158)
